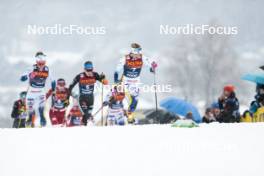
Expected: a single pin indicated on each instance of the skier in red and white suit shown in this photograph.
(59, 103)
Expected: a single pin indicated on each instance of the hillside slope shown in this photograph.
(215, 149)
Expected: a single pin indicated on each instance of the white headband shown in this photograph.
(136, 50)
(41, 58)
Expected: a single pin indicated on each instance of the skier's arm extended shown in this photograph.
(24, 77)
(48, 94)
(119, 69)
(108, 98)
(52, 81)
(101, 78)
(74, 82)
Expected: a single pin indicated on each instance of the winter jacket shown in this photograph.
(229, 108)
(18, 108)
(256, 103)
(19, 114)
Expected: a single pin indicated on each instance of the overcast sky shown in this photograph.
(135, 20)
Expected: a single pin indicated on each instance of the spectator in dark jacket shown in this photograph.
(208, 116)
(189, 116)
(229, 105)
(258, 98)
(19, 111)
(215, 110)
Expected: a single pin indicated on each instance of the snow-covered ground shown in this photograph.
(214, 149)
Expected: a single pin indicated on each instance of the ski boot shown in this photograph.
(130, 118)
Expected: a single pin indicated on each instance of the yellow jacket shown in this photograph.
(259, 115)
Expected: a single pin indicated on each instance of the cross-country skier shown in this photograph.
(86, 81)
(36, 95)
(59, 102)
(19, 112)
(114, 101)
(130, 66)
(75, 116)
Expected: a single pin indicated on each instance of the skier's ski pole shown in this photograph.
(102, 100)
(101, 108)
(156, 97)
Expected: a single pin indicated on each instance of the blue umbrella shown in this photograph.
(256, 78)
(180, 107)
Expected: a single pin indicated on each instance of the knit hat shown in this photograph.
(229, 88)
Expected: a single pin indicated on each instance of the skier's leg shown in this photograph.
(71, 122)
(53, 118)
(90, 107)
(57, 116)
(121, 120)
(86, 104)
(41, 104)
(132, 93)
(22, 123)
(111, 121)
(30, 103)
(15, 123)
(110, 117)
(84, 107)
(133, 103)
(60, 117)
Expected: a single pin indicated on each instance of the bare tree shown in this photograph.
(203, 64)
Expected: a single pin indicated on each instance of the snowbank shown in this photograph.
(215, 149)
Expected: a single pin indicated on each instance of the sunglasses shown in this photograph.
(61, 83)
(42, 63)
(88, 67)
(23, 96)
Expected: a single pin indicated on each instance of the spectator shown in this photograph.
(258, 115)
(19, 113)
(189, 116)
(228, 105)
(215, 110)
(208, 116)
(258, 98)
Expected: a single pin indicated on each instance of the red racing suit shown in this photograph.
(59, 105)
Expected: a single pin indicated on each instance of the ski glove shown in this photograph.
(105, 103)
(53, 86)
(105, 82)
(154, 65)
(66, 102)
(23, 78)
(116, 77)
(102, 76)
